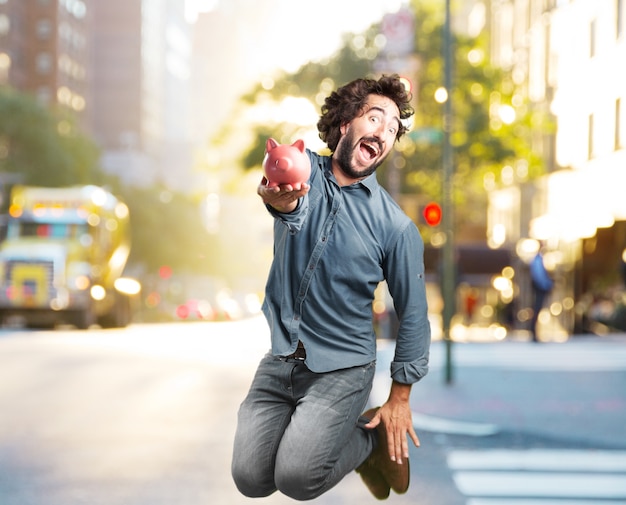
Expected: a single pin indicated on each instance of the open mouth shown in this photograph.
(371, 149)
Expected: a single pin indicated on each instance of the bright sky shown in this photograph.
(315, 26)
(267, 35)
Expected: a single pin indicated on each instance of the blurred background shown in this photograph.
(167, 104)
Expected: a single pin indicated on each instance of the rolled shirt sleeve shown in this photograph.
(295, 219)
(404, 271)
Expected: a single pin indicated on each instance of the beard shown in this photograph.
(343, 156)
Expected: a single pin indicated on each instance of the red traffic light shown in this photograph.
(432, 214)
(165, 272)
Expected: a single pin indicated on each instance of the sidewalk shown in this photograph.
(574, 390)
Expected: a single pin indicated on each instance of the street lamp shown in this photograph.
(448, 270)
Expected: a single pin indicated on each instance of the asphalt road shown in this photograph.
(146, 416)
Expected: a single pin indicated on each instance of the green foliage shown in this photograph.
(313, 81)
(256, 152)
(41, 146)
(484, 145)
(45, 148)
(167, 229)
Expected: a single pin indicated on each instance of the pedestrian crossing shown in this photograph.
(539, 476)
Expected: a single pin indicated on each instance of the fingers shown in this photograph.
(399, 429)
(283, 198)
(401, 443)
(375, 421)
(414, 437)
(292, 191)
(396, 444)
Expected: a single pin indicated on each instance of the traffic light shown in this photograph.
(432, 214)
(165, 272)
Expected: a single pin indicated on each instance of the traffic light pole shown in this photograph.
(448, 271)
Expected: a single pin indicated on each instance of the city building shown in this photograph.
(122, 66)
(566, 58)
(45, 50)
(141, 80)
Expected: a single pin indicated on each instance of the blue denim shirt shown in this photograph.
(329, 256)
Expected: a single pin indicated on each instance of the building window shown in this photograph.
(592, 39)
(5, 24)
(590, 146)
(618, 124)
(77, 8)
(44, 95)
(549, 5)
(44, 29)
(5, 66)
(43, 63)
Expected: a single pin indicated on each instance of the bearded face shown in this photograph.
(367, 149)
(368, 139)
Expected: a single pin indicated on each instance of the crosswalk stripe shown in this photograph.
(551, 501)
(440, 425)
(544, 485)
(539, 476)
(539, 460)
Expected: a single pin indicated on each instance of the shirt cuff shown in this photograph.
(409, 373)
(295, 219)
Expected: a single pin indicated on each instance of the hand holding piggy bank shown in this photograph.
(286, 164)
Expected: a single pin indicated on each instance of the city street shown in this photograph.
(146, 416)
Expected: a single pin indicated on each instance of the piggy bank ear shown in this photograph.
(299, 144)
(270, 144)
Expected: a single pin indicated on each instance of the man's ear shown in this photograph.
(343, 128)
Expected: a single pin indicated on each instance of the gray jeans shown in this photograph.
(300, 432)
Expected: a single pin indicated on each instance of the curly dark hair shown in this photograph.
(347, 102)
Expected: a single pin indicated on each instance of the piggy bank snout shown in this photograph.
(284, 164)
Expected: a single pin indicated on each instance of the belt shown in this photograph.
(299, 354)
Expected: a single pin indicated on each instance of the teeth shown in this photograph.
(371, 148)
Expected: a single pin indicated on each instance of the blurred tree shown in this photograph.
(167, 229)
(313, 81)
(44, 147)
(493, 130)
(493, 124)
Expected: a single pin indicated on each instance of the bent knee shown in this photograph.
(299, 486)
(252, 483)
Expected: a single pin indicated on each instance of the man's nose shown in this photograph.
(383, 133)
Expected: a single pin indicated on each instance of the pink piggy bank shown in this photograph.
(286, 164)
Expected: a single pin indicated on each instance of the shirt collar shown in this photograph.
(370, 183)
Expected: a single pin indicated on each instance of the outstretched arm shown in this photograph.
(283, 198)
